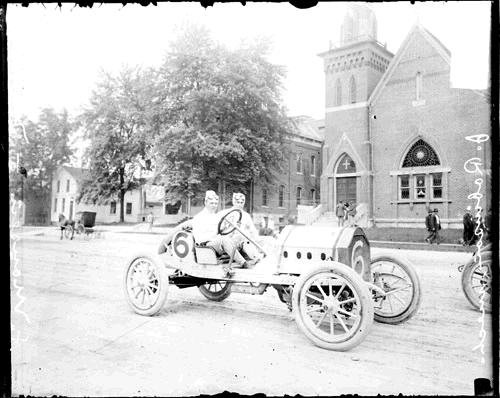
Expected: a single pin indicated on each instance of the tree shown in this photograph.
(222, 115)
(38, 149)
(119, 126)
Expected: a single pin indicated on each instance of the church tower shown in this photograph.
(357, 55)
(353, 67)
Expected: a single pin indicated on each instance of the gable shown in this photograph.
(420, 51)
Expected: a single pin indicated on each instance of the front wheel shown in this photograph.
(146, 285)
(332, 306)
(476, 282)
(401, 284)
(216, 290)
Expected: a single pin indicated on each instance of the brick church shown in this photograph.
(395, 130)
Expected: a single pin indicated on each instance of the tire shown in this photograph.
(398, 278)
(477, 278)
(216, 290)
(68, 231)
(145, 285)
(323, 317)
(80, 229)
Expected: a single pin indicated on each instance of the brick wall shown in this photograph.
(443, 121)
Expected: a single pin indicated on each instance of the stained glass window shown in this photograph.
(346, 165)
(437, 185)
(404, 186)
(421, 154)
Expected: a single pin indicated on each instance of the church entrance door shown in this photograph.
(346, 189)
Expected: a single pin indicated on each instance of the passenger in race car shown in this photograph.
(246, 225)
(205, 225)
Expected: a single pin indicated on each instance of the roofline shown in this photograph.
(372, 42)
(399, 54)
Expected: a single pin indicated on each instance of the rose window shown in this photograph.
(421, 154)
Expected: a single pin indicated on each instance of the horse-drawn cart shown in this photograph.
(83, 225)
(85, 222)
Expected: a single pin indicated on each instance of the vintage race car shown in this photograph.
(326, 276)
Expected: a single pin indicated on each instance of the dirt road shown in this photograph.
(73, 334)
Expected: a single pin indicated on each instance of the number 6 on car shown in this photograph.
(326, 276)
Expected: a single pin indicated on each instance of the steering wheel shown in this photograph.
(231, 217)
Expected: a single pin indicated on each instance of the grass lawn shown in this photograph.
(452, 236)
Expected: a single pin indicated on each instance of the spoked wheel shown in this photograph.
(476, 283)
(333, 307)
(401, 283)
(216, 290)
(146, 285)
(80, 229)
(68, 231)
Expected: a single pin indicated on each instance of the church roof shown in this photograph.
(438, 41)
(417, 28)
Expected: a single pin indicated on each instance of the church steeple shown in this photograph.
(354, 65)
(360, 23)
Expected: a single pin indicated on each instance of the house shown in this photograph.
(65, 185)
(138, 203)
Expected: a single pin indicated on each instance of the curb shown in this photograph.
(444, 247)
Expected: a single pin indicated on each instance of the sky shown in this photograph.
(54, 54)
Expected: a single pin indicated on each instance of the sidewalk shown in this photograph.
(143, 229)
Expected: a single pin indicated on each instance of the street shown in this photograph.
(73, 333)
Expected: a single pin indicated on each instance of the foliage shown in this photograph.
(41, 147)
(120, 126)
(221, 114)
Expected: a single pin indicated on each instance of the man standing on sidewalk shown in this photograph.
(436, 225)
(468, 227)
(150, 221)
(340, 213)
(428, 225)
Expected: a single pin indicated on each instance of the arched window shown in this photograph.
(281, 196)
(420, 154)
(418, 86)
(422, 182)
(349, 26)
(338, 93)
(264, 197)
(313, 165)
(346, 165)
(352, 90)
(313, 197)
(299, 163)
(299, 195)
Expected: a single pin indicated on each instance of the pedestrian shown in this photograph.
(340, 213)
(428, 225)
(352, 215)
(468, 227)
(150, 221)
(436, 227)
(346, 213)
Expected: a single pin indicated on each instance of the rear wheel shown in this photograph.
(333, 307)
(216, 290)
(476, 282)
(146, 285)
(68, 231)
(401, 284)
